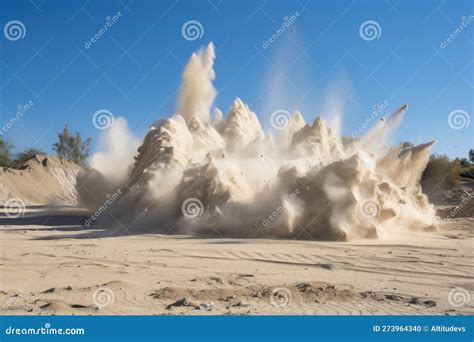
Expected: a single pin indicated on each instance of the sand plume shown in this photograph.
(228, 177)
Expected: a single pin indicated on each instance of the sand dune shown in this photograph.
(41, 180)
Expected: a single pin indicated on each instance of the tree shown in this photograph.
(72, 147)
(441, 172)
(26, 155)
(6, 155)
(471, 155)
(464, 162)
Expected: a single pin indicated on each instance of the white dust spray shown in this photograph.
(227, 177)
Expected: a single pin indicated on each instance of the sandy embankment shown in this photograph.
(41, 180)
(57, 267)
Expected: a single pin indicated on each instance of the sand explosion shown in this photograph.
(225, 176)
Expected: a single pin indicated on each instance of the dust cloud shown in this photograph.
(224, 176)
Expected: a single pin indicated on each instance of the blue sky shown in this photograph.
(134, 69)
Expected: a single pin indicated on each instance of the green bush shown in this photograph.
(6, 153)
(72, 146)
(25, 155)
(441, 172)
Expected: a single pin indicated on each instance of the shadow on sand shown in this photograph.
(72, 222)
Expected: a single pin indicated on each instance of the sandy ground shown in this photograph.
(52, 265)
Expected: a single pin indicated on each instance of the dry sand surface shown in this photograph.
(51, 265)
(42, 179)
